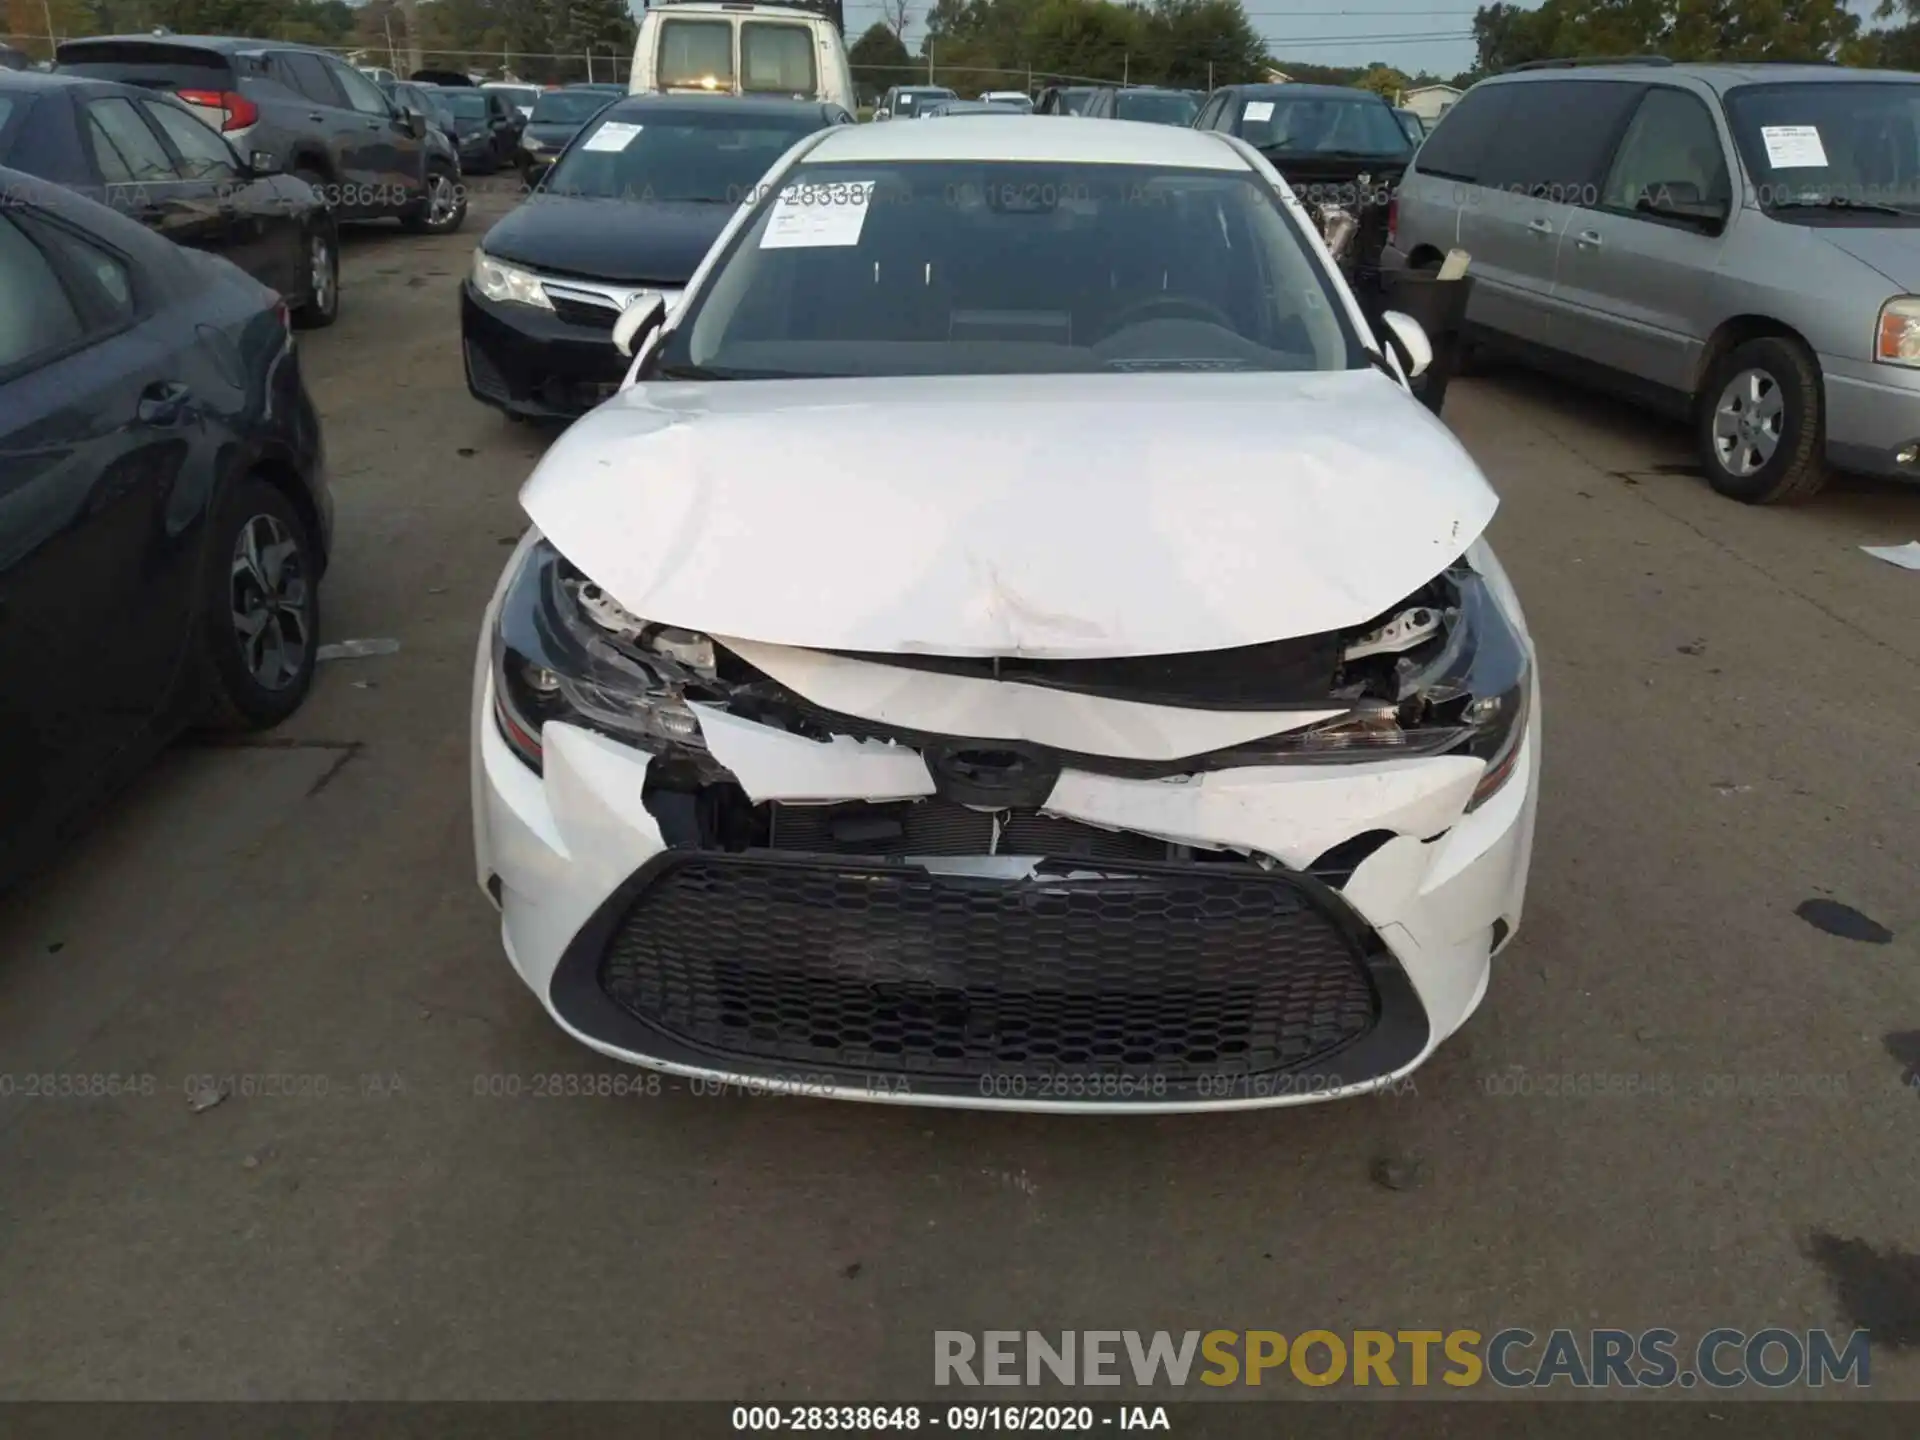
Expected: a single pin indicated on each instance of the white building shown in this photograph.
(1429, 102)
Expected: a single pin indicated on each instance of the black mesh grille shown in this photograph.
(1156, 971)
(580, 312)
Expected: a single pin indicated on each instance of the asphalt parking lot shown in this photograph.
(1730, 697)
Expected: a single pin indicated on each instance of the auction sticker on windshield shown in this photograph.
(614, 135)
(1258, 110)
(810, 216)
(1794, 147)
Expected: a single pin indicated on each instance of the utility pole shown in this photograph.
(929, 60)
(1126, 62)
(53, 41)
(1209, 77)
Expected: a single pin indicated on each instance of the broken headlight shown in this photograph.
(1450, 675)
(563, 649)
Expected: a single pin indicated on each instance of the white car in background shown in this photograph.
(1018, 99)
(1013, 642)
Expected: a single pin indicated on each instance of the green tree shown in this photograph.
(1385, 81)
(1197, 42)
(879, 60)
(1507, 35)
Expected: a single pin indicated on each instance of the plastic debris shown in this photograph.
(355, 649)
(1906, 556)
(206, 1098)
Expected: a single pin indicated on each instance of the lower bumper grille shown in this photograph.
(1164, 974)
(485, 375)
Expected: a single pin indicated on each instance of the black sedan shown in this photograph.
(557, 118)
(486, 127)
(143, 153)
(632, 204)
(164, 517)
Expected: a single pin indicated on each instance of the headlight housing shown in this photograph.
(1470, 696)
(565, 650)
(506, 283)
(1896, 338)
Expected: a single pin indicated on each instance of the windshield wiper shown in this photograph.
(691, 372)
(1841, 202)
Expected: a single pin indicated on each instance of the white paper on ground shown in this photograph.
(816, 216)
(1258, 110)
(1906, 556)
(1794, 147)
(614, 135)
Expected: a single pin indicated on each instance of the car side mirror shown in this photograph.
(414, 122)
(1681, 200)
(1410, 343)
(644, 312)
(263, 162)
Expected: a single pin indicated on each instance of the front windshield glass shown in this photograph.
(971, 268)
(911, 100)
(711, 153)
(569, 107)
(1177, 109)
(465, 104)
(1831, 146)
(518, 96)
(1323, 125)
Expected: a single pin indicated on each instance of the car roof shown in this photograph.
(1311, 92)
(744, 105)
(1147, 90)
(1017, 138)
(225, 44)
(1720, 76)
(37, 80)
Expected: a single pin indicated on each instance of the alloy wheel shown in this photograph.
(1748, 419)
(320, 273)
(269, 602)
(441, 196)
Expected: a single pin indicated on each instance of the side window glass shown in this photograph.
(309, 77)
(128, 151)
(362, 94)
(203, 154)
(36, 315)
(1458, 147)
(1554, 138)
(1671, 150)
(104, 288)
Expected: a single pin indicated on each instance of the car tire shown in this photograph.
(261, 621)
(443, 209)
(1759, 425)
(320, 248)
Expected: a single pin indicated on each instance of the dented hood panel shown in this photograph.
(1052, 516)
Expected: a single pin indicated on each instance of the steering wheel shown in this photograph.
(1189, 305)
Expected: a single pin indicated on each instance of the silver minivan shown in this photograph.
(1739, 244)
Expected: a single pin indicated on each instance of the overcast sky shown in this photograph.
(1411, 35)
(1408, 34)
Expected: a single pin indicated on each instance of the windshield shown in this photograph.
(711, 153)
(465, 104)
(967, 268)
(1848, 143)
(1156, 109)
(570, 107)
(518, 96)
(917, 99)
(1323, 125)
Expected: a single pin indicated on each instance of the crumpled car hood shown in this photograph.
(1051, 516)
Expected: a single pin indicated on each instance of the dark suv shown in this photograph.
(315, 116)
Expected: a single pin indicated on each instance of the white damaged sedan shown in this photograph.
(1014, 641)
